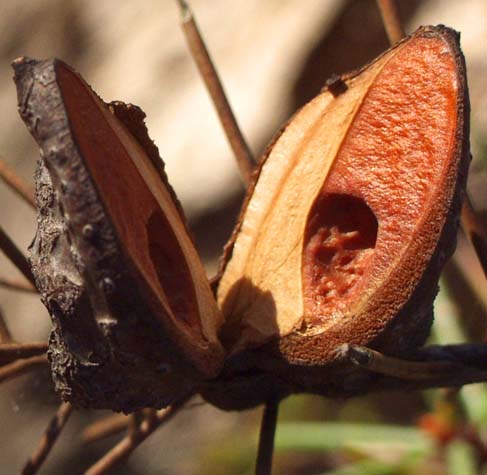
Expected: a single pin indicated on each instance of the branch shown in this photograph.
(21, 366)
(430, 367)
(13, 351)
(131, 441)
(15, 256)
(112, 425)
(203, 61)
(472, 228)
(105, 427)
(5, 334)
(17, 285)
(263, 464)
(48, 439)
(16, 183)
(390, 18)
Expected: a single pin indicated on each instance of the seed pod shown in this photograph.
(135, 320)
(353, 213)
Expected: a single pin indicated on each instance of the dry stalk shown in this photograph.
(5, 334)
(21, 366)
(201, 56)
(265, 452)
(12, 351)
(474, 232)
(16, 183)
(48, 439)
(390, 18)
(15, 255)
(13, 284)
(105, 427)
(133, 439)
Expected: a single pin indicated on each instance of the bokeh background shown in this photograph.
(273, 56)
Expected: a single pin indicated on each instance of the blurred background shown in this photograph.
(273, 56)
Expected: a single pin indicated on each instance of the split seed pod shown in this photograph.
(351, 216)
(135, 320)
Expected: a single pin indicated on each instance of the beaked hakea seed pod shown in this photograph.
(345, 229)
(135, 320)
(351, 217)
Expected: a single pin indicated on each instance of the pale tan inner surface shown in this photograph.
(211, 317)
(262, 284)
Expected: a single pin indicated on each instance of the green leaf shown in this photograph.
(331, 436)
(461, 459)
(366, 467)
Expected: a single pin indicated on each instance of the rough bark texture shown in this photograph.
(106, 350)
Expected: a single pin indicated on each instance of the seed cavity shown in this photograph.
(339, 245)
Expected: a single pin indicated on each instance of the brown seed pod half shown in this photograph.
(135, 320)
(353, 213)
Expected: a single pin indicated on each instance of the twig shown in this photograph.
(263, 464)
(430, 367)
(214, 86)
(105, 427)
(465, 263)
(404, 369)
(17, 285)
(151, 414)
(469, 355)
(135, 421)
(112, 425)
(16, 183)
(48, 439)
(130, 442)
(5, 334)
(14, 254)
(13, 351)
(474, 232)
(390, 18)
(21, 366)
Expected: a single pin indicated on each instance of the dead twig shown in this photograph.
(474, 232)
(201, 56)
(112, 425)
(105, 427)
(16, 183)
(5, 334)
(135, 421)
(48, 439)
(429, 367)
(15, 256)
(21, 366)
(13, 351)
(132, 440)
(265, 453)
(390, 18)
(17, 285)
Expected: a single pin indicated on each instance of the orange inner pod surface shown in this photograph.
(387, 172)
